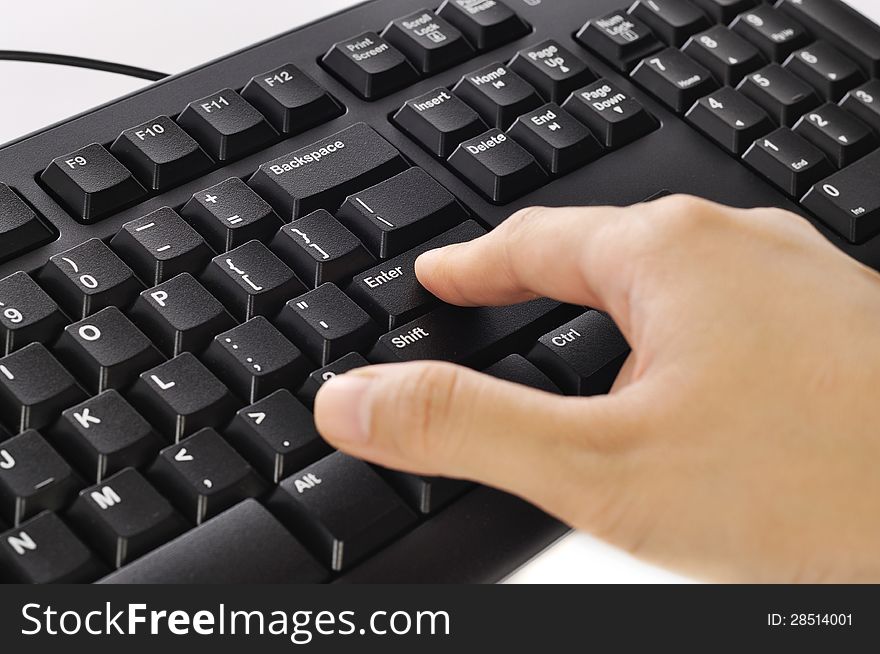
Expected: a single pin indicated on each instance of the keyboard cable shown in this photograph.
(81, 62)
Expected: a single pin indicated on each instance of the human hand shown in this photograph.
(739, 441)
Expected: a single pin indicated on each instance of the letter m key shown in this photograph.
(105, 498)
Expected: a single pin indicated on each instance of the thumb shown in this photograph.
(439, 419)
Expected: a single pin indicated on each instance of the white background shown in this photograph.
(172, 36)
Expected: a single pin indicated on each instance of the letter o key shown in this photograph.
(89, 333)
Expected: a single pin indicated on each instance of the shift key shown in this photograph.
(323, 174)
(469, 336)
(390, 291)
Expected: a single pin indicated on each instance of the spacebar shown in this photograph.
(469, 336)
(242, 545)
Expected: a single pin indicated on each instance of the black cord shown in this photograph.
(81, 62)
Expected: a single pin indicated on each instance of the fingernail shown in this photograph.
(342, 408)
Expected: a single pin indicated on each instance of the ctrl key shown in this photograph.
(341, 509)
(497, 166)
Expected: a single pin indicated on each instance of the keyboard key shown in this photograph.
(675, 78)
(340, 531)
(254, 360)
(439, 121)
(44, 551)
(326, 323)
(395, 215)
(35, 388)
(825, 69)
(181, 396)
(320, 249)
(226, 125)
(841, 136)
(369, 65)
(124, 517)
(204, 475)
(33, 478)
(246, 545)
(469, 336)
(497, 166)
(727, 55)
(291, 100)
(161, 154)
(27, 314)
(775, 34)
(864, 104)
(105, 434)
(519, 370)
(106, 350)
(583, 356)
(612, 114)
(782, 95)
(557, 141)
(846, 29)
(620, 38)
(277, 435)
(161, 245)
(428, 41)
(91, 183)
(230, 214)
(552, 69)
(314, 382)
(730, 119)
(789, 161)
(849, 200)
(20, 228)
(724, 11)
(324, 173)
(88, 278)
(390, 291)
(180, 315)
(485, 24)
(424, 494)
(498, 94)
(674, 21)
(251, 281)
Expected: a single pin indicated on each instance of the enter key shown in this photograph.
(390, 292)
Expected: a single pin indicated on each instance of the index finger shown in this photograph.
(563, 253)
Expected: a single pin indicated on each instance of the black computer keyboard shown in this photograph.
(181, 269)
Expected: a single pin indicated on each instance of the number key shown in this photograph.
(825, 69)
(789, 161)
(726, 54)
(864, 103)
(89, 277)
(775, 34)
(849, 200)
(27, 314)
(841, 136)
(782, 95)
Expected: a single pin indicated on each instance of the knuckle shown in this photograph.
(415, 408)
